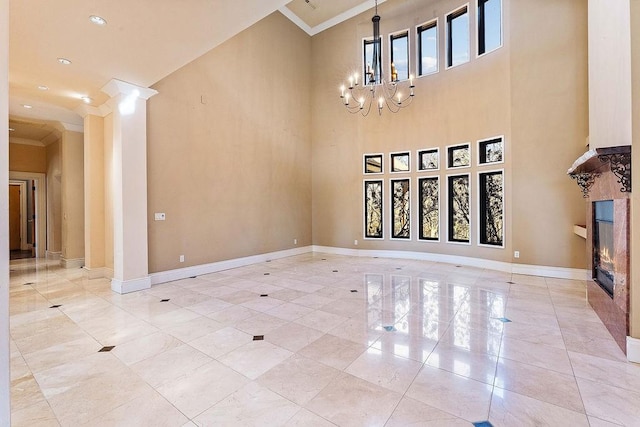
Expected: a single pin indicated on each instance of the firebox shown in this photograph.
(603, 250)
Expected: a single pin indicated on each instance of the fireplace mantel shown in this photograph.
(588, 167)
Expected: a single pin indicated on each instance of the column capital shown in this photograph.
(88, 110)
(116, 87)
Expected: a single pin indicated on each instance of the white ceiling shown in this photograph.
(143, 42)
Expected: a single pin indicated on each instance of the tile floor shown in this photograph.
(347, 341)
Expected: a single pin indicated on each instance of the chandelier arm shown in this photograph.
(374, 89)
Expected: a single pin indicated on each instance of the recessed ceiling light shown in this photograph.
(86, 99)
(98, 20)
(11, 130)
(27, 106)
(64, 61)
(43, 87)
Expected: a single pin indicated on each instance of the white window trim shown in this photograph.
(391, 180)
(449, 241)
(480, 141)
(417, 48)
(437, 150)
(468, 144)
(391, 162)
(504, 228)
(363, 65)
(364, 164)
(439, 210)
(364, 221)
(446, 38)
(478, 54)
(408, 33)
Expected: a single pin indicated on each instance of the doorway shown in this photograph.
(33, 211)
(21, 242)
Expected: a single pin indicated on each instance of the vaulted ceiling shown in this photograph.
(142, 42)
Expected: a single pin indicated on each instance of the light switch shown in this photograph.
(160, 216)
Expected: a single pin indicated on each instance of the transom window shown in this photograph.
(458, 37)
(399, 56)
(428, 48)
(372, 60)
(489, 25)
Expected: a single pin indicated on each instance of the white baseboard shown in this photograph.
(72, 263)
(555, 272)
(133, 285)
(533, 270)
(198, 270)
(96, 273)
(53, 256)
(633, 349)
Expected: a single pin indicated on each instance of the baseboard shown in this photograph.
(72, 263)
(53, 256)
(133, 285)
(198, 270)
(555, 272)
(533, 270)
(96, 273)
(633, 349)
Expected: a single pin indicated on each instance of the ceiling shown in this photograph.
(142, 42)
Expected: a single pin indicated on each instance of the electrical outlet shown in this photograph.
(516, 254)
(355, 242)
(295, 241)
(159, 216)
(181, 258)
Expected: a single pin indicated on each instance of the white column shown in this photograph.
(5, 381)
(131, 255)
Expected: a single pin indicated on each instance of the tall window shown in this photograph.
(458, 37)
(428, 48)
(399, 56)
(489, 25)
(372, 61)
(491, 210)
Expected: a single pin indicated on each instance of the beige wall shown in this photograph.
(549, 110)
(229, 150)
(54, 197)
(94, 191)
(72, 195)
(609, 73)
(108, 191)
(536, 98)
(27, 158)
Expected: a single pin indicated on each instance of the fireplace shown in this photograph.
(603, 250)
(604, 176)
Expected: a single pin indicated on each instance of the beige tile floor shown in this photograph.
(347, 341)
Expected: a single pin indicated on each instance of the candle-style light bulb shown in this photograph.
(342, 91)
(380, 103)
(361, 103)
(355, 76)
(411, 80)
(346, 102)
(350, 82)
(399, 98)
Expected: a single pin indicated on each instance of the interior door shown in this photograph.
(14, 217)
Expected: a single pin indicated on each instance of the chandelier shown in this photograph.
(358, 95)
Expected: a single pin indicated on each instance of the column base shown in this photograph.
(633, 349)
(98, 272)
(131, 285)
(72, 263)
